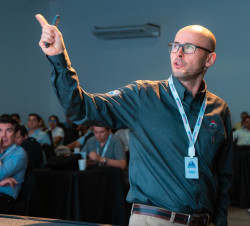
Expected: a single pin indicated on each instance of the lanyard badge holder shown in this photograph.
(191, 162)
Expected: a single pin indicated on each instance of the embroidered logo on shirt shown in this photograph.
(115, 93)
(213, 125)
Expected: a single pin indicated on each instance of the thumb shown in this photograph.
(41, 20)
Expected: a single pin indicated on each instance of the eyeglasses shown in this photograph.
(52, 120)
(187, 48)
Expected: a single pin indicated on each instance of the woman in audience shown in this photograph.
(42, 125)
(57, 133)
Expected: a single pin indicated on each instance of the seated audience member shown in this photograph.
(243, 135)
(34, 150)
(57, 133)
(86, 132)
(35, 131)
(239, 125)
(13, 164)
(42, 125)
(16, 117)
(105, 148)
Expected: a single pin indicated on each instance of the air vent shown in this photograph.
(123, 32)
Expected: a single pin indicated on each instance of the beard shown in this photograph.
(186, 75)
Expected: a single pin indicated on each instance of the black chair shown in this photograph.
(22, 202)
(48, 151)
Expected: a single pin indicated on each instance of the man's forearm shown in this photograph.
(115, 163)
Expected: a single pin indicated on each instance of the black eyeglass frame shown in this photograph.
(182, 46)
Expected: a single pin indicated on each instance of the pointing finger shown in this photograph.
(41, 20)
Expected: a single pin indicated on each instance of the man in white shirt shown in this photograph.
(243, 135)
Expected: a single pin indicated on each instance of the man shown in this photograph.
(35, 131)
(243, 135)
(239, 125)
(16, 117)
(34, 150)
(174, 179)
(21, 135)
(105, 148)
(13, 163)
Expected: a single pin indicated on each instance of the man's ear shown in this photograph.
(210, 59)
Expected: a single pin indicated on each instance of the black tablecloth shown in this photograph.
(94, 195)
(240, 195)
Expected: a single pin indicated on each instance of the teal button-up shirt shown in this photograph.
(158, 142)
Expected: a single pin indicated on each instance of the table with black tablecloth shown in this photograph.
(94, 195)
(240, 193)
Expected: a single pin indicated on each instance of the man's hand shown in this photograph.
(9, 181)
(94, 156)
(51, 35)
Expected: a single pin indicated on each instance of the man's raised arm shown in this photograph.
(51, 35)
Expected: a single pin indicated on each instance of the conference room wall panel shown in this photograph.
(104, 65)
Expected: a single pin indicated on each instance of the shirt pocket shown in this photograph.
(212, 137)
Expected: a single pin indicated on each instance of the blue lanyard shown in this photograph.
(192, 137)
(105, 147)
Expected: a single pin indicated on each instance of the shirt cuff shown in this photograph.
(60, 61)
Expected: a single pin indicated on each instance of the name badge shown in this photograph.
(191, 168)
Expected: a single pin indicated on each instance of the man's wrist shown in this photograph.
(104, 161)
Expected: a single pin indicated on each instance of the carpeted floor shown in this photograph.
(238, 217)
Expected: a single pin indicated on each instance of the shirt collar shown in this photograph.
(8, 148)
(184, 93)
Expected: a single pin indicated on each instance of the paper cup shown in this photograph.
(82, 164)
(76, 150)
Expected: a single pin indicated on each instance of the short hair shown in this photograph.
(15, 115)
(107, 128)
(8, 119)
(36, 115)
(244, 113)
(23, 130)
(5, 115)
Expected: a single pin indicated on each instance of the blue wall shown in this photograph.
(104, 65)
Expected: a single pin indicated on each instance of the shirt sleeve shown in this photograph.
(81, 140)
(87, 148)
(119, 149)
(46, 139)
(117, 109)
(13, 163)
(224, 171)
(235, 135)
(59, 132)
